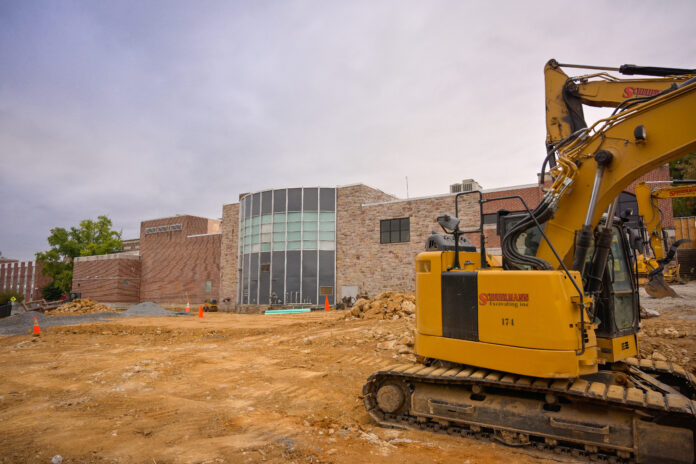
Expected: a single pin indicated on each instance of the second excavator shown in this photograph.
(655, 256)
(543, 351)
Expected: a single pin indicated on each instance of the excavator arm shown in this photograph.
(595, 165)
(565, 96)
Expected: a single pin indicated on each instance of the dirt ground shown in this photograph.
(236, 388)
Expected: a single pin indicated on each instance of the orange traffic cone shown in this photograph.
(200, 311)
(326, 303)
(188, 307)
(36, 330)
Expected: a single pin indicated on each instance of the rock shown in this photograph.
(657, 356)
(403, 349)
(646, 313)
(57, 459)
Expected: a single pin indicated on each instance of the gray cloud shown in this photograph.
(140, 110)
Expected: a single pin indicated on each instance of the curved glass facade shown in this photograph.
(287, 246)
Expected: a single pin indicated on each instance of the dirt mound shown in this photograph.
(386, 305)
(80, 306)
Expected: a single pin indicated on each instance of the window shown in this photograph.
(208, 286)
(150, 230)
(175, 227)
(395, 230)
(162, 228)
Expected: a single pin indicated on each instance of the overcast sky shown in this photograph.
(146, 109)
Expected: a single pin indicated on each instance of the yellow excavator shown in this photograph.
(543, 351)
(656, 270)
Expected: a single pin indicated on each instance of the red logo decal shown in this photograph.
(630, 92)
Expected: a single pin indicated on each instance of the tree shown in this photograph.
(684, 168)
(91, 238)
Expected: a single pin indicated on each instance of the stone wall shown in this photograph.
(229, 273)
(362, 261)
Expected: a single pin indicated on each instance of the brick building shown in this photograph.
(176, 259)
(23, 277)
(297, 246)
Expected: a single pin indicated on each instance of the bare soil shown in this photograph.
(234, 388)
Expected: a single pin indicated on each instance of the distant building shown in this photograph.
(296, 246)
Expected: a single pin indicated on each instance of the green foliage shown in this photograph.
(50, 292)
(684, 168)
(6, 296)
(91, 238)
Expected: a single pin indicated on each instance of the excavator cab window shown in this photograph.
(617, 307)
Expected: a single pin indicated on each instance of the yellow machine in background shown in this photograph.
(542, 351)
(655, 266)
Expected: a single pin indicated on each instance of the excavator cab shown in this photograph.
(617, 307)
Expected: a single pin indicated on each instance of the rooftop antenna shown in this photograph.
(406, 187)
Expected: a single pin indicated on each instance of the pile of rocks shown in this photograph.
(81, 306)
(386, 305)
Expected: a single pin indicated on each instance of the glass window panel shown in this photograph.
(309, 276)
(394, 236)
(266, 219)
(326, 216)
(278, 246)
(311, 199)
(256, 221)
(255, 238)
(265, 247)
(309, 244)
(405, 236)
(404, 224)
(295, 199)
(255, 248)
(293, 217)
(309, 235)
(279, 217)
(293, 226)
(384, 226)
(247, 248)
(266, 202)
(247, 206)
(255, 230)
(279, 201)
(293, 246)
(256, 204)
(292, 288)
(327, 226)
(264, 277)
(309, 226)
(279, 237)
(310, 216)
(384, 237)
(293, 236)
(277, 277)
(279, 227)
(327, 245)
(253, 278)
(327, 264)
(266, 228)
(247, 240)
(327, 235)
(266, 237)
(327, 199)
